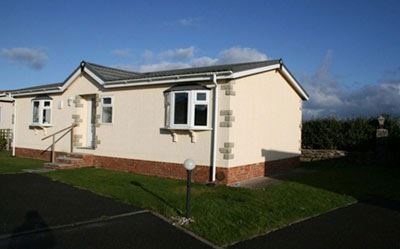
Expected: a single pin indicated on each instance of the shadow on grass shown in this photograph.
(161, 199)
(360, 175)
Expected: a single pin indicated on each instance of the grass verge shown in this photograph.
(222, 214)
(9, 164)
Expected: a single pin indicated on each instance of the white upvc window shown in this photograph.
(41, 112)
(188, 109)
(107, 103)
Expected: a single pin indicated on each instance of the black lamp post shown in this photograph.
(189, 166)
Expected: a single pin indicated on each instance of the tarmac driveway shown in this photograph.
(369, 224)
(36, 212)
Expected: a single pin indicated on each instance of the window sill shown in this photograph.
(40, 125)
(187, 128)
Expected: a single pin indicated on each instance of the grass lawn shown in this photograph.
(222, 214)
(225, 215)
(9, 164)
(358, 180)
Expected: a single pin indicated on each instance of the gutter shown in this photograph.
(165, 79)
(215, 128)
(14, 134)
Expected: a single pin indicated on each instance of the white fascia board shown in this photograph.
(63, 87)
(294, 83)
(33, 92)
(254, 71)
(76, 75)
(71, 79)
(169, 77)
(158, 82)
(94, 76)
(6, 99)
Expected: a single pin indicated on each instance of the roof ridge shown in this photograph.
(108, 67)
(217, 65)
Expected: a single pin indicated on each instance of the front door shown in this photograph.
(91, 122)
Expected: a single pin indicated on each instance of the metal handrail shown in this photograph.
(55, 133)
(52, 146)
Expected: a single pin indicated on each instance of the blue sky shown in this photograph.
(339, 50)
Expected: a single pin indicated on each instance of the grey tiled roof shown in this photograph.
(238, 67)
(109, 73)
(38, 87)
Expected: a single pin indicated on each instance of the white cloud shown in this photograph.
(127, 67)
(33, 58)
(178, 54)
(148, 55)
(328, 97)
(163, 65)
(185, 22)
(186, 57)
(203, 61)
(123, 53)
(240, 54)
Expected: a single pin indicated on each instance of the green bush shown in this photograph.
(356, 134)
(3, 144)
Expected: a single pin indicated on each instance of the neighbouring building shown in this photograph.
(236, 121)
(6, 111)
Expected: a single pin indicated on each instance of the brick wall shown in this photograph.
(35, 154)
(176, 171)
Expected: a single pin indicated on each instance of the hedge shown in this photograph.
(357, 134)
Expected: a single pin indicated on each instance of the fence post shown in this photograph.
(72, 140)
(53, 152)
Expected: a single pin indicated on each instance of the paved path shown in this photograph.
(31, 202)
(373, 224)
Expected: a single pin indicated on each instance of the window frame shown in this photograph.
(192, 102)
(107, 105)
(41, 108)
(199, 102)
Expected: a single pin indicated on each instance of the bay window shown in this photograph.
(187, 109)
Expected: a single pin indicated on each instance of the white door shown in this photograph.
(91, 119)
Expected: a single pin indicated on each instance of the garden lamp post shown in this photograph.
(189, 166)
(381, 121)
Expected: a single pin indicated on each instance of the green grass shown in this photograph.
(222, 214)
(355, 179)
(9, 164)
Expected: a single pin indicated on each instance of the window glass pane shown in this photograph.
(107, 115)
(200, 115)
(46, 116)
(107, 101)
(47, 103)
(201, 96)
(181, 108)
(35, 112)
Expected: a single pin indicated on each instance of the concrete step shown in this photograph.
(58, 165)
(77, 155)
(69, 160)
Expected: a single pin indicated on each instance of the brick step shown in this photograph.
(70, 160)
(77, 155)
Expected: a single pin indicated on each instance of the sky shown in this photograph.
(344, 53)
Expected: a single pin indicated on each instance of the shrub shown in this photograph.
(3, 144)
(356, 134)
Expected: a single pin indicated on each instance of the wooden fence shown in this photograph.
(7, 134)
